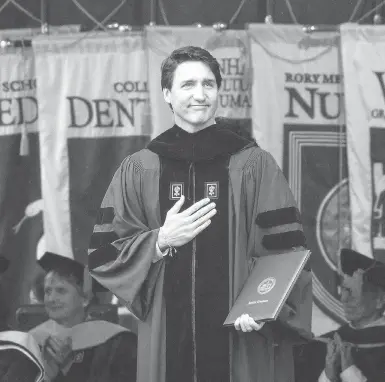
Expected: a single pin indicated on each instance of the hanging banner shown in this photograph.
(20, 33)
(229, 47)
(94, 111)
(363, 54)
(20, 196)
(297, 116)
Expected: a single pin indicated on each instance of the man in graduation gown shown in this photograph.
(356, 351)
(179, 230)
(74, 348)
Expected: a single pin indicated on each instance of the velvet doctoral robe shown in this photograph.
(183, 300)
(368, 355)
(102, 351)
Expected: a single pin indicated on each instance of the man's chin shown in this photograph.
(351, 316)
(200, 121)
(54, 315)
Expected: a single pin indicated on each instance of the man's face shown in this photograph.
(62, 298)
(358, 304)
(193, 96)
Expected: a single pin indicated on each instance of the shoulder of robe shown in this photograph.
(247, 157)
(143, 160)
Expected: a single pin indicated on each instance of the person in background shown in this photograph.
(19, 353)
(181, 227)
(356, 351)
(4, 265)
(36, 294)
(74, 348)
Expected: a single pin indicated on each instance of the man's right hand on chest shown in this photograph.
(179, 228)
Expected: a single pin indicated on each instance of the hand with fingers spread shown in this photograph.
(247, 323)
(180, 228)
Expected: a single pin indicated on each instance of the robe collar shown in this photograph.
(209, 143)
(85, 335)
(372, 334)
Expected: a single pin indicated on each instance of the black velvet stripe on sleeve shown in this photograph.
(105, 215)
(280, 216)
(102, 255)
(284, 240)
(98, 239)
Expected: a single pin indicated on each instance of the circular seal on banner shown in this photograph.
(333, 233)
(266, 285)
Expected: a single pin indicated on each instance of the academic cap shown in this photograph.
(51, 262)
(4, 264)
(374, 270)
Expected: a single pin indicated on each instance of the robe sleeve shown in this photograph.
(122, 246)
(277, 227)
(15, 367)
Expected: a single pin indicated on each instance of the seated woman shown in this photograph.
(75, 349)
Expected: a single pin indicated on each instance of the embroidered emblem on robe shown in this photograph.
(78, 358)
(212, 190)
(176, 190)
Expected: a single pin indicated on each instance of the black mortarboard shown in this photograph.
(374, 270)
(4, 264)
(53, 262)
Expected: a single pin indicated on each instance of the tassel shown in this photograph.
(24, 142)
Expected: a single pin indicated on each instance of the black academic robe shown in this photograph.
(16, 367)
(102, 351)
(19, 358)
(183, 300)
(368, 354)
(112, 361)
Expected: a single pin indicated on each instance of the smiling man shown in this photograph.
(179, 230)
(194, 96)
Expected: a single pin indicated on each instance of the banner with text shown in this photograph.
(21, 228)
(363, 55)
(229, 47)
(297, 116)
(94, 111)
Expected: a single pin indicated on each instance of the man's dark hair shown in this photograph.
(68, 275)
(188, 53)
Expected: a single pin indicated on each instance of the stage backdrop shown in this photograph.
(228, 47)
(363, 52)
(93, 106)
(20, 196)
(297, 116)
